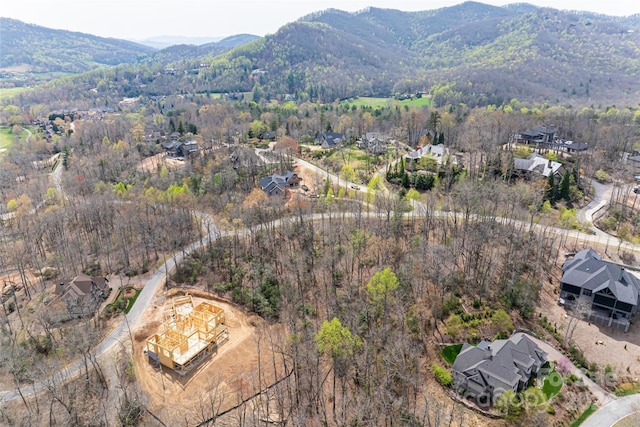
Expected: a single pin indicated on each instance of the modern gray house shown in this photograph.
(440, 153)
(535, 166)
(330, 139)
(485, 371)
(275, 185)
(609, 288)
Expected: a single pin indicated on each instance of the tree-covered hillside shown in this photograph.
(183, 52)
(46, 50)
(470, 53)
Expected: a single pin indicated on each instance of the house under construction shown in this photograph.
(191, 333)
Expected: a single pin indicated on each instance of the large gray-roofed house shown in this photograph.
(330, 139)
(488, 369)
(439, 152)
(539, 134)
(606, 285)
(275, 185)
(536, 166)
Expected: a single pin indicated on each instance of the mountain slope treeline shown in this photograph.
(43, 49)
(471, 53)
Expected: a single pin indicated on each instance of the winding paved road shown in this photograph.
(211, 232)
(131, 320)
(614, 411)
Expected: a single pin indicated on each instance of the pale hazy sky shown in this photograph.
(139, 19)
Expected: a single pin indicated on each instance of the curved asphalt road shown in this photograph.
(131, 320)
(143, 302)
(614, 411)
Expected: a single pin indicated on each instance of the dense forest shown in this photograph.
(349, 286)
(391, 284)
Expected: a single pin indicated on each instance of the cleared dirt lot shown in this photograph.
(221, 381)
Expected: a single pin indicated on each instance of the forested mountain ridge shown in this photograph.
(472, 53)
(477, 53)
(188, 51)
(43, 50)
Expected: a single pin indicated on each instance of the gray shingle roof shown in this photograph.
(587, 270)
(537, 163)
(500, 362)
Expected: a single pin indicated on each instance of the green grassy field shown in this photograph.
(6, 137)
(6, 93)
(384, 102)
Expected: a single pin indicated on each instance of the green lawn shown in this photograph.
(552, 384)
(6, 93)
(6, 137)
(384, 102)
(590, 410)
(128, 301)
(451, 352)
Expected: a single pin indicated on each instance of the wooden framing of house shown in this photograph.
(190, 334)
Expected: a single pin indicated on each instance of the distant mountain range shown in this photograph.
(39, 49)
(161, 42)
(472, 53)
(43, 50)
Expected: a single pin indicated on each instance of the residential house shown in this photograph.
(83, 295)
(180, 149)
(539, 135)
(487, 370)
(568, 146)
(609, 288)
(276, 185)
(546, 137)
(234, 96)
(171, 147)
(189, 148)
(330, 139)
(440, 153)
(268, 136)
(374, 142)
(535, 167)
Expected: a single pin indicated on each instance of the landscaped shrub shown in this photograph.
(443, 376)
(576, 356)
(451, 305)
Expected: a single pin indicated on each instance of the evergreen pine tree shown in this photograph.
(551, 188)
(405, 180)
(565, 185)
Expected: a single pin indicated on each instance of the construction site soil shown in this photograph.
(220, 381)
